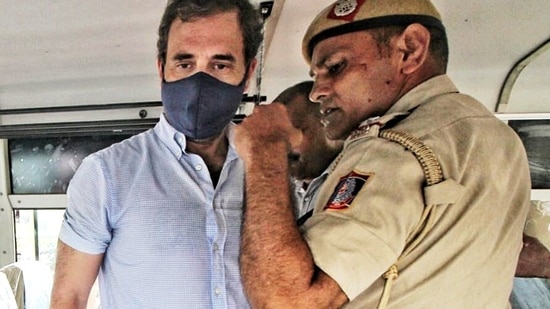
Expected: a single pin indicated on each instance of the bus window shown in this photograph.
(36, 233)
(46, 165)
(39, 170)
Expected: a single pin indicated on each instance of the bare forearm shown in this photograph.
(276, 263)
(74, 276)
(61, 302)
(63, 294)
(275, 260)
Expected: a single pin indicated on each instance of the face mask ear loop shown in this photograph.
(162, 72)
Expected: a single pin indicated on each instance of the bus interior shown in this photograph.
(77, 76)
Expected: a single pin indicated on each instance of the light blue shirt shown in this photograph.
(305, 196)
(169, 238)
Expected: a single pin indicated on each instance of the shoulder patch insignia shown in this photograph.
(345, 9)
(346, 191)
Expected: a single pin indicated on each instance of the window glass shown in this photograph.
(535, 135)
(45, 165)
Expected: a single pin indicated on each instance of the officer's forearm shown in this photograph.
(275, 260)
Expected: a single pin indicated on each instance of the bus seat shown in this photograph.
(31, 282)
(7, 299)
(14, 275)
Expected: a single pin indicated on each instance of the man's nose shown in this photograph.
(318, 92)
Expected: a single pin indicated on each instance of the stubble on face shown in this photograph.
(353, 80)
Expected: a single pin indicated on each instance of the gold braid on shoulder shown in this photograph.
(433, 174)
(426, 157)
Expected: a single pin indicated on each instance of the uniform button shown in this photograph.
(198, 167)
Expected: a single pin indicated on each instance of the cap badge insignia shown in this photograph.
(347, 189)
(345, 9)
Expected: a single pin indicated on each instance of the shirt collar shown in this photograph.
(177, 142)
(417, 96)
(422, 93)
(169, 136)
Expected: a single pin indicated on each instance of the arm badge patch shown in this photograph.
(346, 191)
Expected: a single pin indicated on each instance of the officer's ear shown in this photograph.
(413, 43)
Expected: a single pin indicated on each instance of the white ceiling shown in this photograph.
(59, 53)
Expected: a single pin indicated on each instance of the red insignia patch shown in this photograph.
(346, 191)
(345, 9)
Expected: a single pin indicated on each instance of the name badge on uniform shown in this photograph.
(347, 189)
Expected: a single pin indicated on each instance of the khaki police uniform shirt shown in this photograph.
(375, 194)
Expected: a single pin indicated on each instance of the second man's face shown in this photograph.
(354, 80)
(313, 154)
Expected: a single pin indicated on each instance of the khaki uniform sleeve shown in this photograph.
(355, 236)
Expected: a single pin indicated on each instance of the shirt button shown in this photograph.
(217, 291)
(198, 167)
(216, 247)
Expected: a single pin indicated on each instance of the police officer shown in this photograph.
(380, 65)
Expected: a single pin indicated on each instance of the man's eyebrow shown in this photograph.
(182, 56)
(225, 57)
(187, 56)
(321, 63)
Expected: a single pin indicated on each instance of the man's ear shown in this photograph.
(251, 69)
(414, 44)
(160, 68)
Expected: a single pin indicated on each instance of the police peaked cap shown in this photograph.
(345, 16)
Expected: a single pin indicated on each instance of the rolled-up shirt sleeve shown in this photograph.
(86, 225)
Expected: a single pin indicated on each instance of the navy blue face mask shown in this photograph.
(200, 106)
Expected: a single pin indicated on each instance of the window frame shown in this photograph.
(536, 194)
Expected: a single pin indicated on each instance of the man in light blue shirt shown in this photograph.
(158, 216)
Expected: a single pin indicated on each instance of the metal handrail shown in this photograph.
(506, 90)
